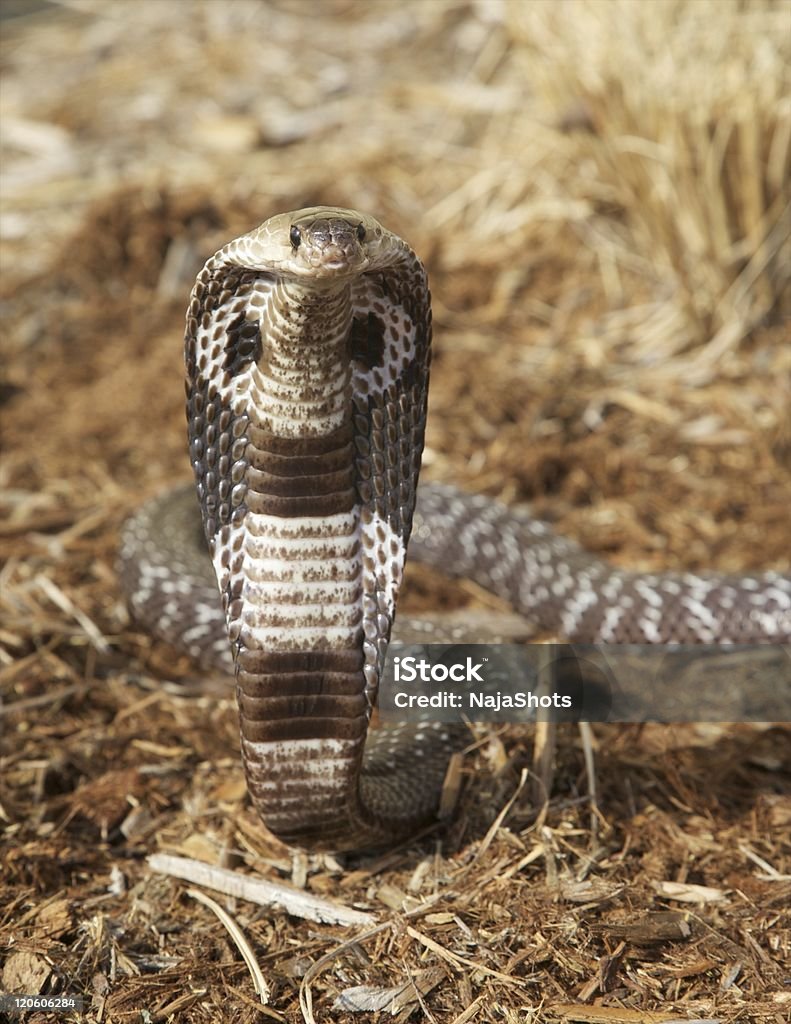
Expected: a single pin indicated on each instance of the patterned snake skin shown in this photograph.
(307, 352)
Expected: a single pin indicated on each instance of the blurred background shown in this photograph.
(600, 192)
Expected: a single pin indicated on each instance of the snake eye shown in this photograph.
(361, 232)
(295, 235)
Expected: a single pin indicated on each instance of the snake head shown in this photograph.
(323, 243)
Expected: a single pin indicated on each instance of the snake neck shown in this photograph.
(300, 387)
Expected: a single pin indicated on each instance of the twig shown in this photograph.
(305, 992)
(772, 874)
(66, 605)
(586, 735)
(238, 936)
(256, 890)
(460, 961)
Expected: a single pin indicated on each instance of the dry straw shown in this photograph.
(689, 113)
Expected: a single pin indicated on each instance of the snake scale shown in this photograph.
(307, 356)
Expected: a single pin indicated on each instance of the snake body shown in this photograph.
(307, 353)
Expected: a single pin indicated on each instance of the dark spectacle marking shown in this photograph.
(242, 345)
(368, 340)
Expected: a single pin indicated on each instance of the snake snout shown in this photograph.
(333, 247)
(334, 257)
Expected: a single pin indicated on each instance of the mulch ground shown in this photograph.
(572, 370)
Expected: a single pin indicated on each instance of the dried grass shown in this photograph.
(690, 135)
(601, 193)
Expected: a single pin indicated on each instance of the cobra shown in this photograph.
(307, 357)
